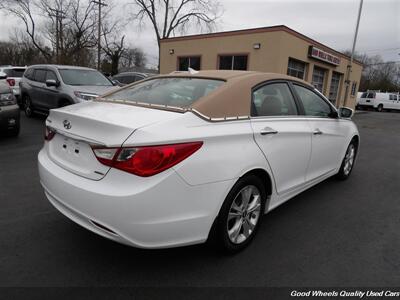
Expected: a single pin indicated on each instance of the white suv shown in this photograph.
(14, 75)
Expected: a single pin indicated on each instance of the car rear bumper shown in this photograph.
(16, 91)
(157, 212)
(9, 117)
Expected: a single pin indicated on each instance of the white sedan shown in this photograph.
(173, 159)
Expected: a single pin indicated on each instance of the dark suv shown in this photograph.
(130, 77)
(44, 87)
(9, 111)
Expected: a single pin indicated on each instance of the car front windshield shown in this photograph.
(84, 77)
(170, 91)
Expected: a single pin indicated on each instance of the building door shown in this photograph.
(318, 78)
(334, 89)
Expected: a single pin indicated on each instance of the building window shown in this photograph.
(233, 62)
(318, 78)
(186, 62)
(296, 68)
(334, 89)
(354, 88)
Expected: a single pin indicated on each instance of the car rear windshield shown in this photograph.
(16, 72)
(84, 77)
(171, 91)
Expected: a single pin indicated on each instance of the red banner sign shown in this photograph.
(319, 54)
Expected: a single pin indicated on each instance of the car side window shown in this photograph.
(123, 79)
(274, 99)
(29, 73)
(50, 75)
(129, 79)
(40, 75)
(314, 105)
(138, 77)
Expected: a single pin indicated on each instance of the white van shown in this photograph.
(379, 101)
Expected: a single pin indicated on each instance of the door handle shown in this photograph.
(267, 131)
(317, 132)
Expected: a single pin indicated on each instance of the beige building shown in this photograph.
(277, 49)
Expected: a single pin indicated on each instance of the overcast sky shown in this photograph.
(331, 22)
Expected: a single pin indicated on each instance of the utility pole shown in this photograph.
(59, 15)
(101, 4)
(350, 65)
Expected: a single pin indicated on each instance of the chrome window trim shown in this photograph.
(326, 100)
(298, 117)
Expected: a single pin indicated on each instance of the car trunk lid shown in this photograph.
(80, 127)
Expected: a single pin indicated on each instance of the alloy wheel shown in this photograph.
(244, 214)
(349, 159)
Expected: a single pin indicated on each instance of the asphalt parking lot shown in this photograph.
(336, 234)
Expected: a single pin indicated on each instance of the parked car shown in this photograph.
(130, 77)
(379, 101)
(14, 75)
(174, 158)
(44, 87)
(9, 111)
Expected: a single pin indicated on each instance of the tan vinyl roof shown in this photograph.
(232, 99)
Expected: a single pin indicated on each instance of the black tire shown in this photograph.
(345, 173)
(14, 132)
(380, 108)
(222, 225)
(28, 108)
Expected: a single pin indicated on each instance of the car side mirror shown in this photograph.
(345, 112)
(52, 82)
(334, 115)
(3, 76)
(116, 83)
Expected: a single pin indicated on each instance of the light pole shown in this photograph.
(101, 4)
(350, 65)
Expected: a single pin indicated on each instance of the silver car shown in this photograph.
(44, 87)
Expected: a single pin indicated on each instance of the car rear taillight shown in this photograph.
(11, 82)
(49, 134)
(148, 160)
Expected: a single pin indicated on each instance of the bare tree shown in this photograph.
(81, 31)
(170, 16)
(113, 44)
(114, 50)
(133, 58)
(24, 11)
(62, 30)
(378, 74)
